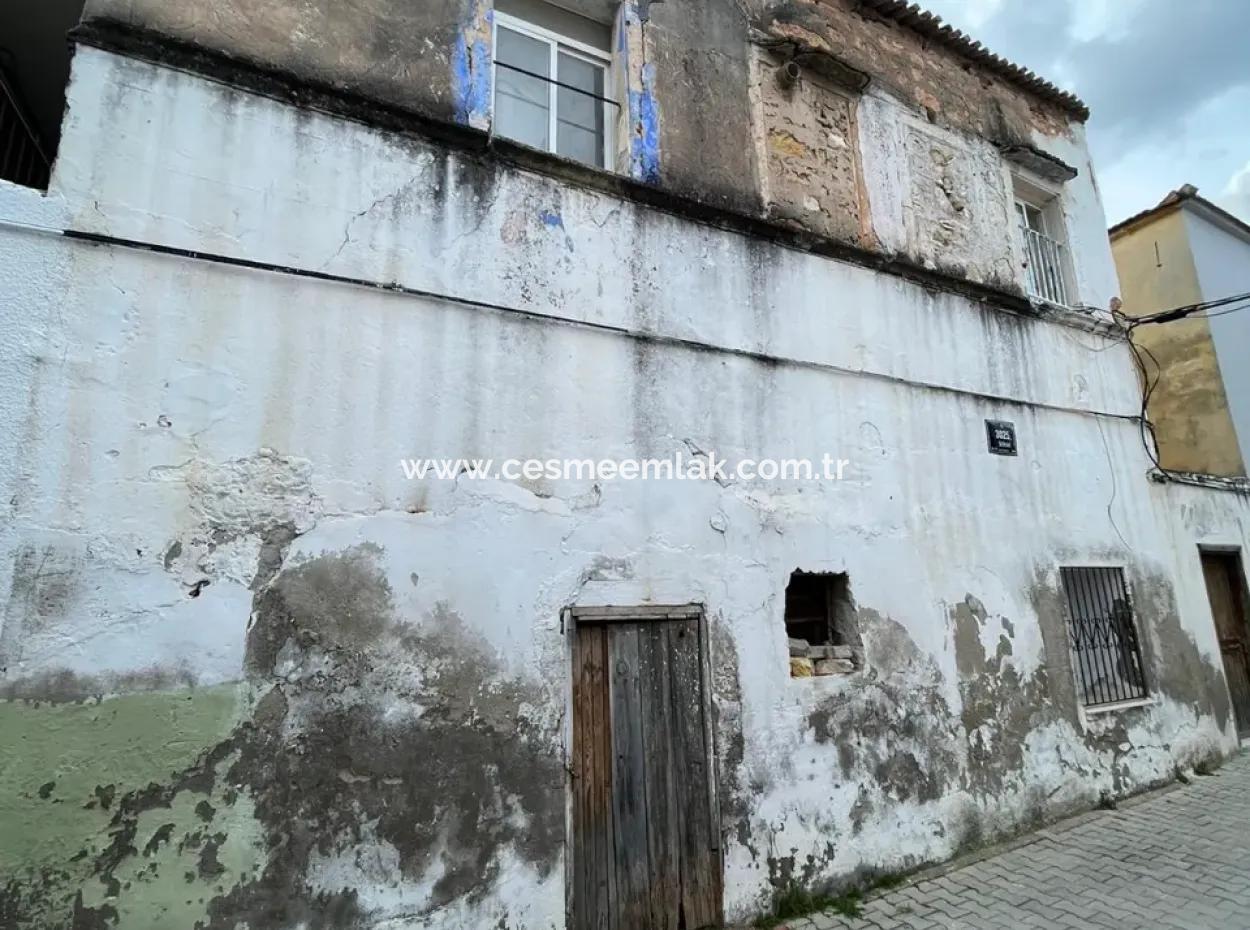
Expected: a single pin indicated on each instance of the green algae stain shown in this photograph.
(66, 772)
(186, 858)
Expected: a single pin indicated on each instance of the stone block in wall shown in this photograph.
(799, 648)
(834, 667)
(941, 184)
(830, 651)
(801, 668)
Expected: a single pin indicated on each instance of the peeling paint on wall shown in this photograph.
(83, 842)
(472, 67)
(645, 115)
(640, 84)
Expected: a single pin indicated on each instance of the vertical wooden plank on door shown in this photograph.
(1223, 575)
(592, 817)
(580, 785)
(605, 876)
(631, 908)
(662, 769)
(701, 877)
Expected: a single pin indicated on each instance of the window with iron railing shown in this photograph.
(551, 92)
(1103, 632)
(22, 157)
(1045, 259)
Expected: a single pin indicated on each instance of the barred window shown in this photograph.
(1105, 647)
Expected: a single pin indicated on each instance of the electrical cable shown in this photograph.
(1212, 316)
(1178, 313)
(1149, 435)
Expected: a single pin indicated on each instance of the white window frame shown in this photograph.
(1023, 205)
(1048, 203)
(560, 43)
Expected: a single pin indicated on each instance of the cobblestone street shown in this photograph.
(1177, 858)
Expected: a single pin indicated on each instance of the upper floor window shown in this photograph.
(551, 82)
(1047, 265)
(34, 71)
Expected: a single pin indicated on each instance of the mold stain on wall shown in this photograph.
(79, 848)
(893, 731)
(896, 736)
(358, 742)
(1000, 707)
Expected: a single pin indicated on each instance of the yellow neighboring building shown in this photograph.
(1183, 251)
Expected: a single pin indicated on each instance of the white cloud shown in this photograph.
(1109, 19)
(1236, 195)
(1168, 82)
(965, 14)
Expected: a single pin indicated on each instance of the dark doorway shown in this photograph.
(1226, 589)
(646, 846)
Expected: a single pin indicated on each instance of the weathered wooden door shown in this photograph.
(646, 846)
(1226, 589)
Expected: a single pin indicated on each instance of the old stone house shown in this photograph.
(254, 676)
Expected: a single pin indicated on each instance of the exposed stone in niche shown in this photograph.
(812, 151)
(822, 626)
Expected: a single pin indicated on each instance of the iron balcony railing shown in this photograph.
(1044, 267)
(22, 158)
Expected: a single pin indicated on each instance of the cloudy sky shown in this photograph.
(1168, 82)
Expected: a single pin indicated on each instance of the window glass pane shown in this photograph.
(524, 52)
(581, 110)
(1030, 217)
(581, 145)
(522, 102)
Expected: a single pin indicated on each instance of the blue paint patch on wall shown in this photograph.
(471, 67)
(553, 221)
(644, 112)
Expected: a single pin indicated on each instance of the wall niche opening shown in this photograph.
(822, 625)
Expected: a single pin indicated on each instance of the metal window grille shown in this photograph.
(1044, 267)
(22, 159)
(1105, 646)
